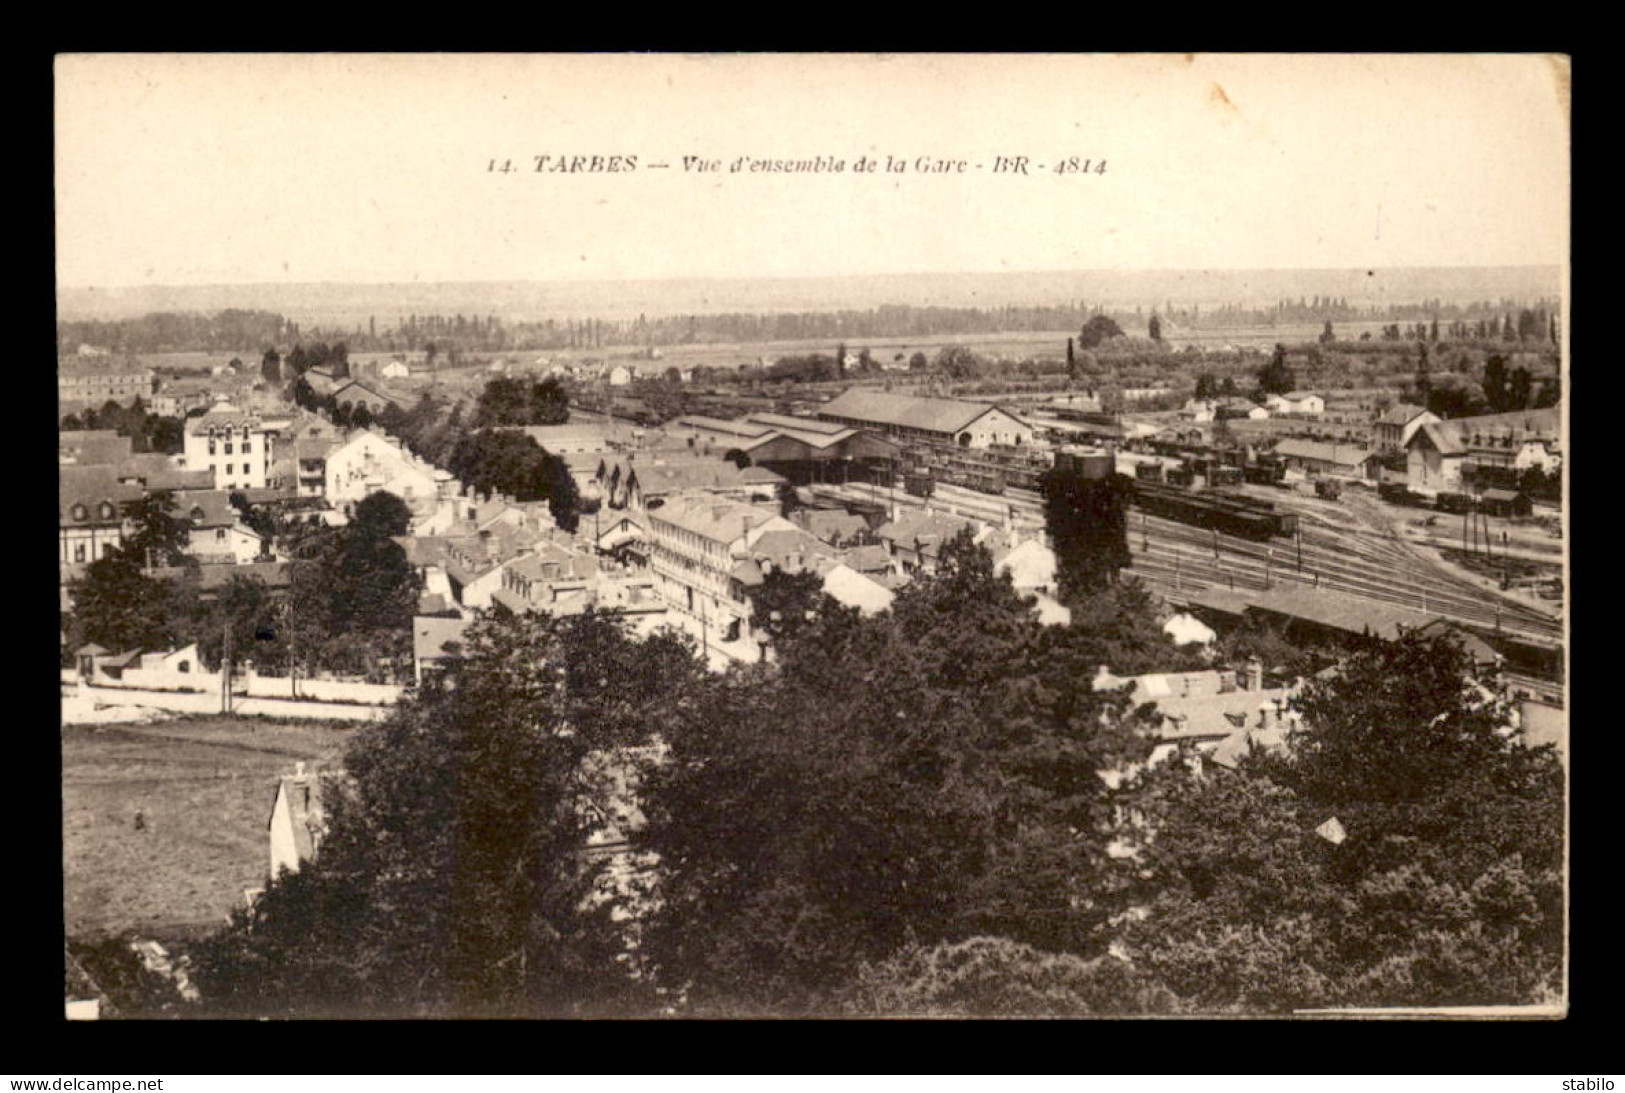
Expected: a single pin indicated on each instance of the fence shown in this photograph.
(253, 685)
(193, 702)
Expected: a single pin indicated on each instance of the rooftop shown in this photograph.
(711, 518)
(942, 415)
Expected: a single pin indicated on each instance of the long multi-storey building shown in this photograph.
(95, 384)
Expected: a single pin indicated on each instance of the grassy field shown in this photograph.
(205, 788)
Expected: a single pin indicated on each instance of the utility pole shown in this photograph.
(225, 670)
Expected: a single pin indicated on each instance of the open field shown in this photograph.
(205, 788)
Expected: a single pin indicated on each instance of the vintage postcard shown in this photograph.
(813, 535)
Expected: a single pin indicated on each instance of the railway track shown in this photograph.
(1173, 556)
(1239, 563)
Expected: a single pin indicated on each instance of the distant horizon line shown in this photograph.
(566, 279)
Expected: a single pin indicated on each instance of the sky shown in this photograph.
(209, 169)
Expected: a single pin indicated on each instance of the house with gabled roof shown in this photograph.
(953, 421)
(91, 504)
(1439, 452)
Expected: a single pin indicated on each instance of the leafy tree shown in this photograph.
(257, 520)
(997, 977)
(354, 581)
(118, 607)
(1155, 328)
(455, 878)
(1520, 389)
(271, 366)
(381, 514)
(303, 395)
(784, 604)
(161, 537)
(1326, 335)
(920, 785)
(1088, 524)
(1206, 386)
(1097, 330)
(1496, 392)
(1446, 888)
(246, 608)
(1276, 378)
(513, 463)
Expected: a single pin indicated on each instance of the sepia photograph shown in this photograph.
(786, 535)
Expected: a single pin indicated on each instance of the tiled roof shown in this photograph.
(869, 559)
(88, 447)
(1402, 414)
(929, 528)
(431, 635)
(1339, 610)
(941, 415)
(1343, 455)
(714, 519)
(208, 509)
(90, 487)
(782, 546)
(1460, 434)
(830, 525)
(854, 589)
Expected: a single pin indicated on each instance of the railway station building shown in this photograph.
(943, 420)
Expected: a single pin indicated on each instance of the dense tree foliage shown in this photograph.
(513, 463)
(1097, 330)
(1276, 378)
(1088, 525)
(514, 401)
(930, 811)
(119, 608)
(353, 593)
(454, 879)
(148, 432)
(920, 781)
(1446, 890)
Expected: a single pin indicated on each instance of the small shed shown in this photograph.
(1498, 502)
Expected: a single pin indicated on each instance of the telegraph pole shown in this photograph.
(225, 670)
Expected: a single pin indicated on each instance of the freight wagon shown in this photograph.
(1220, 513)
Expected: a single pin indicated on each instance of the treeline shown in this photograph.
(1531, 325)
(449, 337)
(907, 815)
(229, 331)
(1322, 308)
